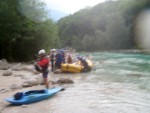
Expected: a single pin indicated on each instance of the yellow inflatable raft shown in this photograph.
(72, 68)
(75, 67)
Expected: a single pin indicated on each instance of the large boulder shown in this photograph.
(16, 67)
(7, 73)
(4, 65)
(28, 68)
(24, 67)
(32, 82)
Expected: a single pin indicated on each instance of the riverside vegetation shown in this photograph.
(25, 27)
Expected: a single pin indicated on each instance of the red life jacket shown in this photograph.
(44, 63)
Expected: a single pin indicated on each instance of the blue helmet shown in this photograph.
(79, 57)
(61, 51)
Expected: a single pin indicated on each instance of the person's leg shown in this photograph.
(56, 65)
(46, 83)
(45, 78)
(52, 66)
(59, 65)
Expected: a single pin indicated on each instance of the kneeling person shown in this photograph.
(84, 63)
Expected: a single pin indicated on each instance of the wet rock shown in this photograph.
(27, 68)
(17, 67)
(63, 81)
(15, 86)
(25, 76)
(7, 73)
(22, 67)
(4, 65)
(32, 82)
(4, 60)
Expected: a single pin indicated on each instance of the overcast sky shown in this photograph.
(70, 6)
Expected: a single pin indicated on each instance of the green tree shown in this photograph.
(102, 27)
(117, 34)
(24, 29)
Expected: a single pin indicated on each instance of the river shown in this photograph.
(118, 83)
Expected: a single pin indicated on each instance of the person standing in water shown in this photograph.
(42, 66)
(58, 60)
(69, 58)
(52, 59)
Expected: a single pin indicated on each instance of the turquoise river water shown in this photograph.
(119, 83)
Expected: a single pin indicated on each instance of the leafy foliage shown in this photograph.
(24, 29)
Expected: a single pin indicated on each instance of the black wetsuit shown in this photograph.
(86, 68)
(52, 61)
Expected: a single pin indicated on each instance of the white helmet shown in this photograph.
(53, 49)
(42, 51)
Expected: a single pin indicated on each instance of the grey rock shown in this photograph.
(15, 86)
(32, 82)
(7, 73)
(4, 65)
(22, 67)
(4, 60)
(17, 67)
(27, 68)
(63, 81)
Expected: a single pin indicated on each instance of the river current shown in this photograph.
(119, 83)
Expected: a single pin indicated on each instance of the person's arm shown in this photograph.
(38, 67)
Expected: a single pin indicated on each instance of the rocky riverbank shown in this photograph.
(16, 77)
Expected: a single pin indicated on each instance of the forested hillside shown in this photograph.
(25, 27)
(107, 26)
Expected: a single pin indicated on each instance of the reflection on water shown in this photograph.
(119, 83)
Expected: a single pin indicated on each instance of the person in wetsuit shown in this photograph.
(52, 59)
(84, 63)
(58, 60)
